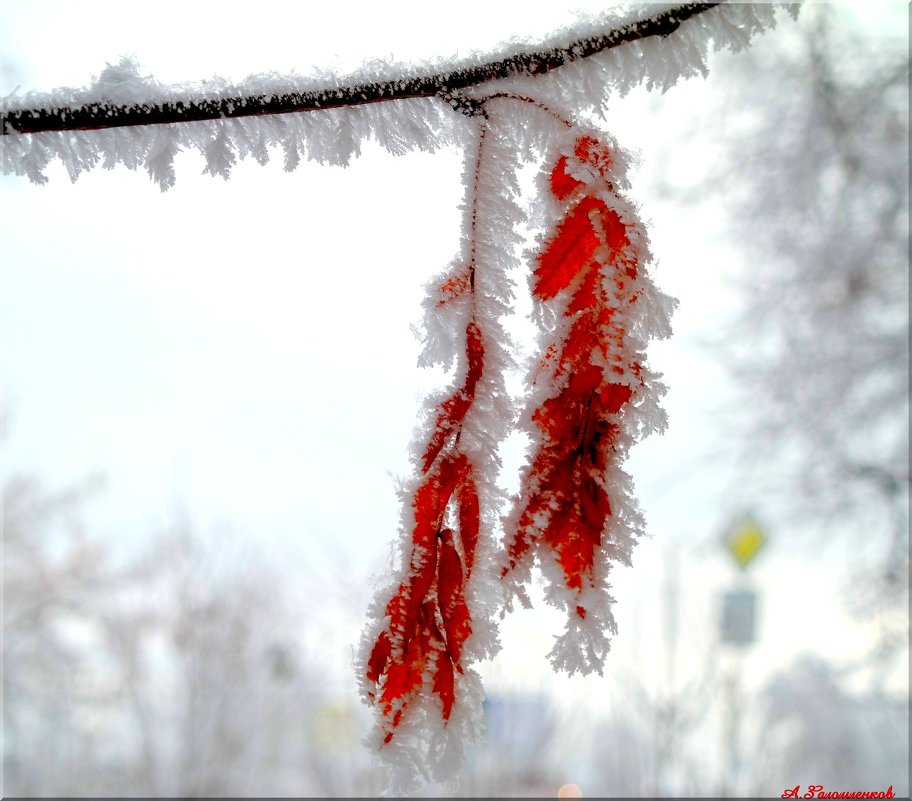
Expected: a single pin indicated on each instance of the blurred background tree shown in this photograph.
(810, 727)
(51, 570)
(811, 179)
(178, 673)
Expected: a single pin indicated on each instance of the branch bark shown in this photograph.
(97, 115)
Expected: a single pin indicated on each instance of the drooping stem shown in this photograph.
(473, 229)
(532, 101)
(428, 619)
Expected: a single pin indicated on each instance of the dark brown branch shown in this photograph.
(101, 115)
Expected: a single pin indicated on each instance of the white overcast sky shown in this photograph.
(243, 348)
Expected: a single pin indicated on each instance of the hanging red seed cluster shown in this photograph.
(428, 618)
(589, 265)
(590, 398)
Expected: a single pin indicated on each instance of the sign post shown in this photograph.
(743, 540)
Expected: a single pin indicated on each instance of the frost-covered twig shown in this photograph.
(93, 116)
(227, 122)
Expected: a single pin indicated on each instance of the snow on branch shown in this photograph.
(127, 118)
(93, 116)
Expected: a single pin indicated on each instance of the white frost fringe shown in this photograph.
(334, 136)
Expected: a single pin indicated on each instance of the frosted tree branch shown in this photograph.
(98, 115)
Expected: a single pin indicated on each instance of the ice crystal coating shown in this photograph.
(335, 135)
(592, 397)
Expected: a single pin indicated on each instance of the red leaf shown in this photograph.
(469, 518)
(615, 234)
(594, 507)
(453, 411)
(614, 396)
(569, 251)
(432, 496)
(444, 683)
(433, 593)
(565, 506)
(590, 292)
(379, 657)
(450, 592)
(449, 575)
(454, 286)
(562, 183)
(590, 151)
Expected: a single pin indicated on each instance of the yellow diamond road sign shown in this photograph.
(744, 541)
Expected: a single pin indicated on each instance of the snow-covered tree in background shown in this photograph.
(149, 677)
(590, 395)
(813, 173)
(816, 733)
